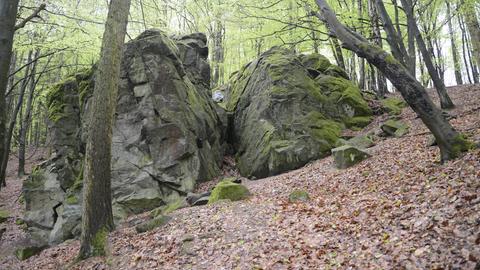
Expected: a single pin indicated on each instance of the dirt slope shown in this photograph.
(398, 209)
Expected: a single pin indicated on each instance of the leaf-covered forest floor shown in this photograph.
(398, 209)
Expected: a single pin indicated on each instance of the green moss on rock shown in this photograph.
(358, 122)
(55, 99)
(24, 253)
(347, 156)
(4, 215)
(461, 144)
(36, 179)
(395, 128)
(152, 224)
(72, 199)
(169, 208)
(315, 61)
(344, 93)
(298, 195)
(226, 190)
(393, 105)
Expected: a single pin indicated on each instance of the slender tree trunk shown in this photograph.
(25, 123)
(13, 119)
(218, 52)
(377, 37)
(456, 63)
(445, 101)
(473, 27)
(361, 61)
(97, 217)
(337, 51)
(8, 15)
(450, 142)
(394, 39)
(465, 48)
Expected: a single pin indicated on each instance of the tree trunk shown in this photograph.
(445, 101)
(465, 48)
(13, 119)
(456, 63)
(218, 53)
(450, 142)
(97, 217)
(394, 39)
(361, 61)
(337, 51)
(377, 38)
(8, 15)
(473, 27)
(26, 121)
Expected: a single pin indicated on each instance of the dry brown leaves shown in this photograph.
(398, 209)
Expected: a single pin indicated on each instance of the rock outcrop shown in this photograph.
(167, 136)
(282, 111)
(289, 109)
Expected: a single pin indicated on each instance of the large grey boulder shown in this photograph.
(289, 109)
(167, 136)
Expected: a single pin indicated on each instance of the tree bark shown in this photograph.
(24, 124)
(473, 27)
(97, 217)
(337, 51)
(218, 52)
(361, 64)
(445, 101)
(456, 62)
(450, 142)
(8, 15)
(13, 120)
(394, 39)
(377, 38)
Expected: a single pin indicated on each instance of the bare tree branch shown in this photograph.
(29, 18)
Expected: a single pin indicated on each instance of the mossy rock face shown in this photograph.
(24, 253)
(152, 224)
(288, 110)
(395, 128)
(227, 190)
(346, 156)
(299, 196)
(4, 215)
(393, 105)
(360, 141)
(167, 135)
